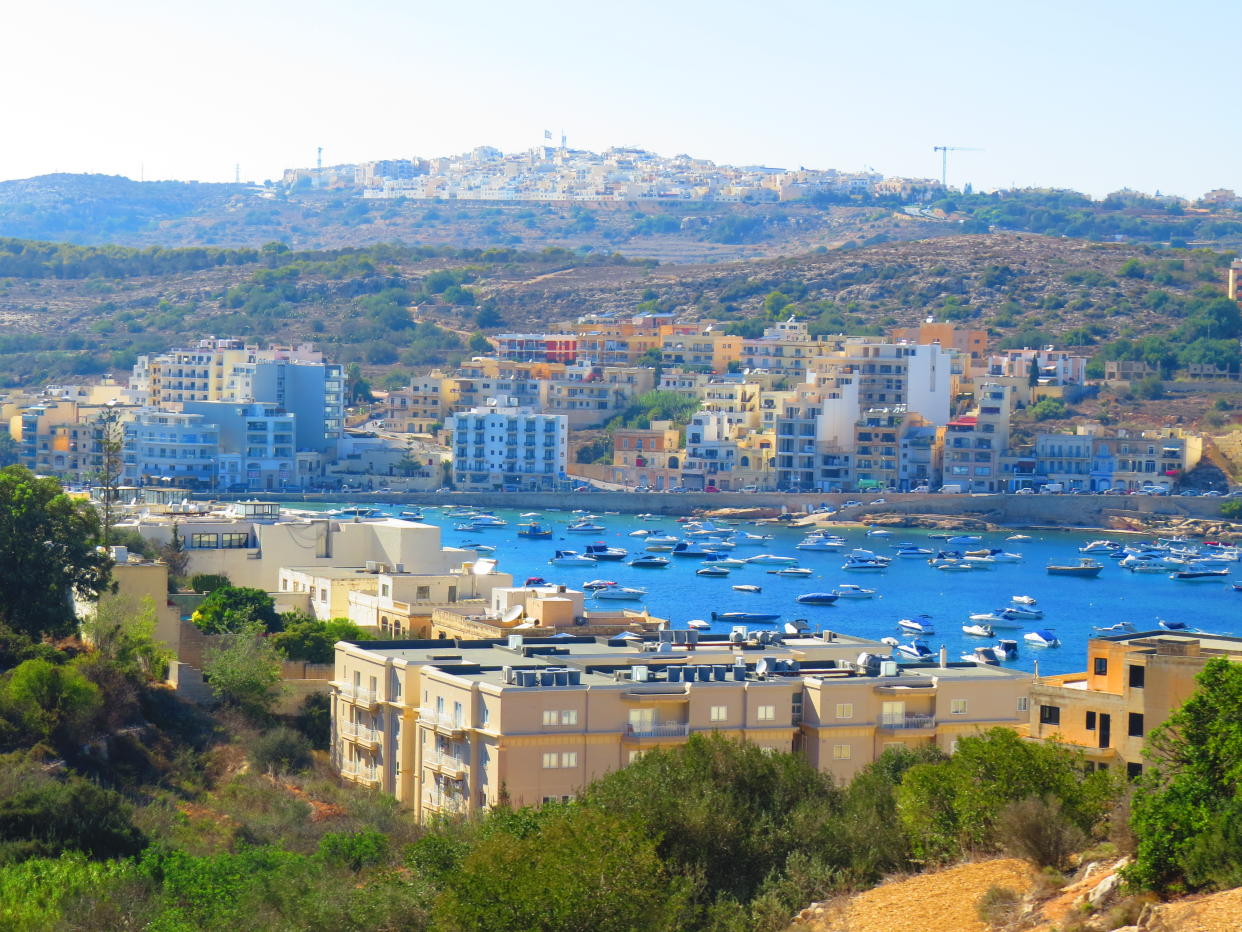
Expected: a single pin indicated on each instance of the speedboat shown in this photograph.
(481, 548)
(1121, 627)
(798, 626)
(649, 562)
(744, 618)
(996, 619)
(986, 654)
(864, 565)
(662, 540)
(791, 571)
(484, 521)
(534, 530)
(411, 515)
(1018, 537)
(1174, 625)
(915, 650)
(1200, 574)
(730, 563)
(357, 511)
(601, 551)
(571, 558)
(1043, 637)
(698, 624)
(950, 565)
(879, 532)
(1023, 600)
(1021, 612)
(1086, 568)
(1144, 566)
(996, 555)
(771, 559)
(658, 548)
(911, 552)
(850, 591)
(752, 540)
(641, 532)
(585, 527)
(716, 545)
(980, 563)
(595, 584)
(818, 598)
(962, 540)
(1100, 546)
(979, 630)
(688, 549)
(821, 544)
(890, 641)
(1007, 648)
(746, 587)
(535, 581)
(920, 625)
(712, 570)
(621, 593)
(529, 514)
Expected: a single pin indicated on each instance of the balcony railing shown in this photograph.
(908, 720)
(361, 733)
(446, 762)
(665, 730)
(441, 720)
(358, 694)
(446, 802)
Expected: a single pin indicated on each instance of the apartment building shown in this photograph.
(202, 372)
(451, 726)
(711, 349)
(537, 347)
(422, 407)
(721, 453)
(918, 377)
(815, 436)
(648, 458)
(969, 345)
(1035, 374)
(588, 395)
(975, 444)
(1131, 685)
(257, 443)
(171, 447)
(786, 348)
(508, 447)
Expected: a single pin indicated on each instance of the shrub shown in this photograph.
(281, 750)
(998, 906)
(76, 815)
(354, 850)
(314, 720)
(244, 671)
(1036, 829)
(1231, 509)
(228, 608)
(208, 582)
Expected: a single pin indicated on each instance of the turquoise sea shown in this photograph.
(909, 587)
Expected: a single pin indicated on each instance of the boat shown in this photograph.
(1042, 637)
(798, 626)
(916, 650)
(745, 618)
(911, 552)
(817, 598)
(995, 554)
(1174, 625)
(890, 641)
(950, 565)
(658, 548)
(879, 532)
(1007, 648)
(485, 521)
(601, 551)
(649, 562)
(1086, 568)
(662, 540)
(980, 563)
(986, 654)
(621, 593)
(411, 515)
(920, 625)
(979, 630)
(752, 540)
(716, 545)
(821, 544)
(529, 514)
(1121, 627)
(1021, 613)
(771, 559)
(594, 584)
(571, 558)
(1149, 567)
(1018, 537)
(729, 563)
(1100, 546)
(746, 587)
(995, 618)
(698, 624)
(585, 527)
(850, 591)
(712, 570)
(688, 549)
(1201, 574)
(1237, 587)
(481, 548)
(791, 571)
(864, 565)
(533, 530)
(1023, 600)
(535, 581)
(357, 511)
(965, 539)
(641, 532)
(464, 527)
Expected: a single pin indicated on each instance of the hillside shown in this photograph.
(69, 310)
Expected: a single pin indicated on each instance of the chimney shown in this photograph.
(944, 657)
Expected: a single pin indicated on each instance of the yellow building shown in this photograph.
(422, 406)
(1132, 683)
(712, 349)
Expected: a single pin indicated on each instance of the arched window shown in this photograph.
(673, 462)
(745, 462)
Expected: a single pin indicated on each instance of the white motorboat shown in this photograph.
(687, 548)
(996, 619)
(850, 591)
(1018, 537)
(791, 571)
(915, 650)
(1121, 627)
(658, 548)
(979, 630)
(601, 551)
(1043, 637)
(621, 593)
(671, 541)
(771, 559)
(746, 587)
(950, 565)
(698, 624)
(752, 540)
(995, 554)
(911, 552)
(1021, 613)
(920, 625)
(1023, 600)
(713, 570)
(718, 545)
(962, 540)
(879, 532)
(585, 527)
(980, 563)
(1200, 574)
(821, 544)
(594, 584)
(641, 532)
(1147, 567)
(890, 641)
(864, 565)
(730, 563)
(1100, 546)
(530, 514)
(484, 521)
(986, 654)
(571, 558)
(1007, 648)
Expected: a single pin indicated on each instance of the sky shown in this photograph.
(1094, 95)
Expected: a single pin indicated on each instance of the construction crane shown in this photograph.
(944, 160)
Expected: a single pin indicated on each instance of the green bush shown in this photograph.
(314, 720)
(354, 850)
(1231, 509)
(228, 608)
(76, 815)
(208, 582)
(313, 641)
(1036, 829)
(280, 751)
(998, 906)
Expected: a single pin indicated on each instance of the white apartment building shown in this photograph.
(502, 447)
(170, 447)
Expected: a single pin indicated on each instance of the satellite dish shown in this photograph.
(512, 614)
(483, 567)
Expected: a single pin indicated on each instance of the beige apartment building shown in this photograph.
(455, 726)
(1132, 683)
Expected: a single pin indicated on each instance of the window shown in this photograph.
(1024, 704)
(957, 707)
(766, 713)
(845, 710)
(1101, 666)
(1050, 715)
(1134, 771)
(1090, 721)
(1138, 676)
(234, 541)
(484, 715)
(551, 717)
(551, 760)
(569, 759)
(204, 541)
(384, 590)
(569, 717)
(719, 713)
(841, 752)
(422, 593)
(1136, 725)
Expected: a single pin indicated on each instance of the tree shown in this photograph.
(281, 751)
(244, 671)
(51, 701)
(76, 815)
(173, 554)
(479, 344)
(111, 437)
(8, 449)
(229, 608)
(1032, 375)
(1048, 408)
(122, 631)
(310, 640)
(48, 552)
(1188, 810)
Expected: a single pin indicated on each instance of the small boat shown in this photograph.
(535, 581)
(716, 546)
(746, 587)
(950, 565)
(1147, 567)
(1121, 627)
(798, 626)
(1043, 637)
(771, 559)
(985, 654)
(890, 641)
(688, 549)
(649, 563)
(658, 548)
(1023, 600)
(996, 555)
(979, 630)
(1018, 537)
(1237, 587)
(533, 530)
(411, 515)
(1100, 546)
(585, 527)
(698, 624)
(965, 539)
(642, 532)
(850, 591)
(570, 558)
(980, 563)
(1007, 648)
(601, 551)
(879, 532)
(712, 570)
(1200, 575)
(752, 540)
(596, 584)
(729, 563)
(817, 598)
(485, 521)
(1174, 625)
(911, 552)
(915, 650)
(357, 511)
(821, 544)
(791, 571)
(662, 540)
(481, 548)
(744, 618)
(529, 514)
(621, 593)
(464, 527)
(920, 625)
(1021, 613)
(1086, 568)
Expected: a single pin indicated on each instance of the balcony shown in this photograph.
(446, 764)
(443, 802)
(361, 773)
(357, 695)
(361, 734)
(910, 720)
(441, 722)
(661, 730)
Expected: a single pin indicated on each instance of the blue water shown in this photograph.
(908, 587)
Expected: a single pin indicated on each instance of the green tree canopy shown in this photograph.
(48, 553)
(311, 640)
(244, 671)
(50, 701)
(228, 608)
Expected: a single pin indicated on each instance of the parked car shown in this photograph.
(711, 488)
(1024, 492)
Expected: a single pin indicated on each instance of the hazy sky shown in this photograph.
(1092, 94)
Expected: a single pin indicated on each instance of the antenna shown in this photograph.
(944, 160)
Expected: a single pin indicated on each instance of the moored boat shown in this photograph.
(817, 598)
(601, 551)
(1042, 637)
(979, 630)
(621, 593)
(747, 587)
(919, 625)
(1085, 568)
(745, 618)
(649, 562)
(850, 591)
(534, 530)
(712, 570)
(570, 558)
